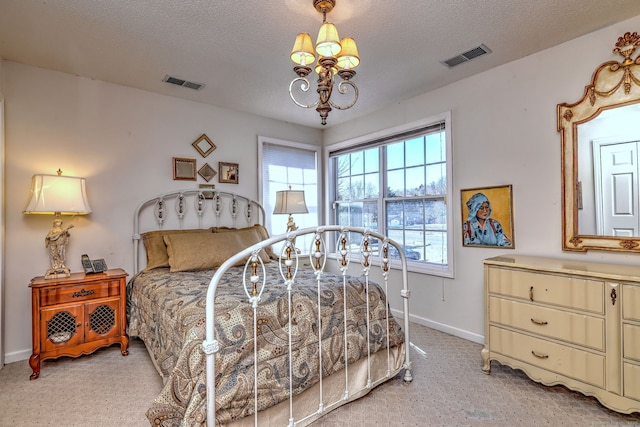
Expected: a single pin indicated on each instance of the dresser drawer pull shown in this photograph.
(540, 356)
(539, 322)
(531, 293)
(614, 296)
(83, 293)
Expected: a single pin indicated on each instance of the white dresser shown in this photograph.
(566, 322)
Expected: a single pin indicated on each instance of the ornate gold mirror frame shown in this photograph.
(613, 85)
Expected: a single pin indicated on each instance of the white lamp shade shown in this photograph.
(290, 202)
(52, 194)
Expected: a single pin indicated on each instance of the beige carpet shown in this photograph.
(106, 389)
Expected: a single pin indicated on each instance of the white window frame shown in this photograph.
(262, 140)
(419, 267)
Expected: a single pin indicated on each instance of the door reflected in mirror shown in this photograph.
(608, 171)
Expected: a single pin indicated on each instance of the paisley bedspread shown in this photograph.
(167, 311)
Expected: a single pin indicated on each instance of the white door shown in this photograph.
(618, 170)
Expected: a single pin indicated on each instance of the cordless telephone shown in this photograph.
(95, 266)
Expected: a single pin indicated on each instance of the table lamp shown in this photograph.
(57, 195)
(290, 202)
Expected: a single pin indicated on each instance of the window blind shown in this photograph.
(285, 166)
(403, 136)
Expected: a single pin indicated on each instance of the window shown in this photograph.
(287, 164)
(398, 183)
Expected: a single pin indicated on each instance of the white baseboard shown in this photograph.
(17, 356)
(456, 332)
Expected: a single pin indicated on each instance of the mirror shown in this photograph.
(600, 153)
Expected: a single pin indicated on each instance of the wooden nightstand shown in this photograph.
(77, 315)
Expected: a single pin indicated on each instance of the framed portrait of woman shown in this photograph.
(487, 217)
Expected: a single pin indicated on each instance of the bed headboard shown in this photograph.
(193, 208)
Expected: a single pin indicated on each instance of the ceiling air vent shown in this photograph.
(467, 56)
(183, 83)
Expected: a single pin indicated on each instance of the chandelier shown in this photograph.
(335, 56)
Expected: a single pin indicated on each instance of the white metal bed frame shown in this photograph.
(194, 208)
(254, 280)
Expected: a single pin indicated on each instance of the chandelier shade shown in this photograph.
(348, 58)
(335, 57)
(319, 67)
(328, 41)
(302, 52)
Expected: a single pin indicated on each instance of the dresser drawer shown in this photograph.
(563, 325)
(631, 302)
(631, 381)
(631, 341)
(66, 294)
(564, 291)
(581, 365)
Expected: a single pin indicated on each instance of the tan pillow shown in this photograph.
(156, 248)
(204, 251)
(262, 234)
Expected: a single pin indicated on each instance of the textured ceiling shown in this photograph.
(240, 49)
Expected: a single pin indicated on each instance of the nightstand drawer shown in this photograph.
(563, 325)
(66, 294)
(565, 291)
(561, 359)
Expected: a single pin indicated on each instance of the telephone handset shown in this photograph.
(95, 266)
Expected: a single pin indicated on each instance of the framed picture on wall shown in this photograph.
(207, 190)
(204, 145)
(487, 217)
(184, 169)
(207, 172)
(228, 172)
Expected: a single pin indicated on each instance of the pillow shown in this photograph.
(156, 248)
(204, 251)
(262, 234)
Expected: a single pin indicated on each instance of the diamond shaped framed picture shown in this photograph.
(204, 145)
(207, 172)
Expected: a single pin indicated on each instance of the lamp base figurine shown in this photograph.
(56, 241)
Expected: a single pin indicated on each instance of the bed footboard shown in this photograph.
(381, 356)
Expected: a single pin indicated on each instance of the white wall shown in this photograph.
(122, 141)
(504, 132)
